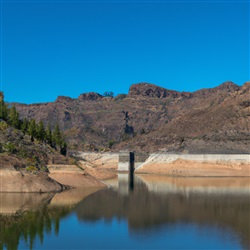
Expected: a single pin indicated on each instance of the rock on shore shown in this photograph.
(12, 180)
(73, 176)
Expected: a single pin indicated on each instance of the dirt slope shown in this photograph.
(214, 120)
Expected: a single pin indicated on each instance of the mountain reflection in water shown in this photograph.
(152, 206)
(160, 200)
(32, 216)
(30, 224)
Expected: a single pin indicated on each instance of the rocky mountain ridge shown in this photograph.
(151, 118)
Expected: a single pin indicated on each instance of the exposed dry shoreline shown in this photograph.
(12, 180)
(73, 176)
(96, 167)
(182, 167)
(98, 164)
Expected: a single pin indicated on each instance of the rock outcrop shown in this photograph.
(151, 90)
(92, 96)
(14, 180)
(215, 120)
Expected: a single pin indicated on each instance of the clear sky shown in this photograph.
(51, 48)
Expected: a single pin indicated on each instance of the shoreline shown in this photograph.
(96, 167)
(189, 168)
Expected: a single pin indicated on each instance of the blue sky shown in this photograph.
(51, 48)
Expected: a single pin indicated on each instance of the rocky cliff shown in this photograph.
(150, 118)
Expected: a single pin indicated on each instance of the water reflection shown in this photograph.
(31, 216)
(29, 225)
(153, 206)
(159, 200)
(11, 203)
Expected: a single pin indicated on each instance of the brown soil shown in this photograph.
(73, 176)
(212, 120)
(99, 173)
(12, 180)
(229, 182)
(76, 180)
(101, 166)
(193, 168)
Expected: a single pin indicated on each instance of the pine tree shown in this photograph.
(13, 118)
(3, 108)
(24, 125)
(57, 137)
(40, 131)
(48, 135)
(63, 149)
(32, 129)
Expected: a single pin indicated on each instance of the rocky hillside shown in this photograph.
(150, 118)
(18, 151)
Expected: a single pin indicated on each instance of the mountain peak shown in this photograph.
(229, 85)
(63, 99)
(151, 90)
(91, 96)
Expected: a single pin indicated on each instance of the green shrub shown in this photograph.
(3, 125)
(44, 168)
(125, 137)
(143, 131)
(9, 147)
(23, 153)
(34, 160)
(111, 143)
(31, 168)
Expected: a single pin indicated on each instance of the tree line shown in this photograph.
(32, 128)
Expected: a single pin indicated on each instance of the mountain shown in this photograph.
(150, 118)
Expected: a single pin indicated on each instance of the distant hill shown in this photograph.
(150, 118)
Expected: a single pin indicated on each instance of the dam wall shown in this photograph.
(124, 160)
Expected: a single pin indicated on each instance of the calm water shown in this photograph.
(149, 212)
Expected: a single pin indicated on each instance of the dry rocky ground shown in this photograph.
(100, 165)
(73, 176)
(193, 168)
(23, 163)
(212, 120)
(12, 180)
(149, 118)
(95, 167)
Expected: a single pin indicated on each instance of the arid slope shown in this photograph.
(213, 120)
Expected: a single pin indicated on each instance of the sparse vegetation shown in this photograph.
(3, 125)
(32, 168)
(165, 116)
(111, 143)
(9, 147)
(10, 117)
(26, 143)
(128, 129)
(108, 94)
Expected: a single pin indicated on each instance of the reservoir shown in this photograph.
(155, 212)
